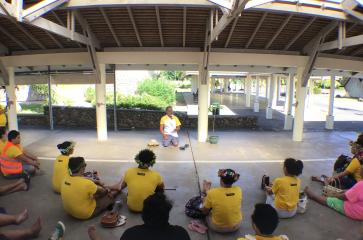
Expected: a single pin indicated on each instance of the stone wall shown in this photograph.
(80, 117)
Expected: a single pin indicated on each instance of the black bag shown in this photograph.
(341, 163)
(192, 208)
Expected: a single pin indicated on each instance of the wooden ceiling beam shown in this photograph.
(14, 39)
(231, 32)
(184, 25)
(262, 19)
(131, 16)
(105, 17)
(157, 12)
(283, 25)
(299, 34)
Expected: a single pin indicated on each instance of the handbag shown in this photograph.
(192, 208)
(331, 190)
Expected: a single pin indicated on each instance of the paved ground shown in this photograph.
(251, 153)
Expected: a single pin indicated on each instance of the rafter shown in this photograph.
(54, 40)
(323, 32)
(14, 39)
(28, 34)
(184, 24)
(85, 26)
(110, 27)
(3, 49)
(129, 10)
(339, 51)
(4, 73)
(59, 20)
(40, 9)
(256, 30)
(157, 12)
(226, 19)
(299, 34)
(346, 42)
(283, 25)
(231, 32)
(358, 52)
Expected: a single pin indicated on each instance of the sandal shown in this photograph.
(26, 178)
(120, 222)
(198, 227)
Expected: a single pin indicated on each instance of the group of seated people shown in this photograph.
(85, 196)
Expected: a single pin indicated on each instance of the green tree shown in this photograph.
(173, 75)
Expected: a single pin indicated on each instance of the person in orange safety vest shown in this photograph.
(15, 162)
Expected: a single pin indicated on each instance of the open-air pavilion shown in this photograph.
(84, 41)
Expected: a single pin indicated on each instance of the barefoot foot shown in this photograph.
(35, 229)
(21, 217)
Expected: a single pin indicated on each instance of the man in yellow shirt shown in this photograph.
(169, 128)
(141, 182)
(3, 120)
(14, 160)
(81, 197)
(3, 138)
(60, 170)
(223, 202)
(264, 222)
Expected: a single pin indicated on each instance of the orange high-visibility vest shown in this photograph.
(10, 165)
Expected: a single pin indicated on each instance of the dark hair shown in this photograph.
(63, 147)
(156, 210)
(145, 158)
(293, 167)
(75, 164)
(360, 140)
(166, 109)
(13, 134)
(265, 218)
(2, 131)
(228, 176)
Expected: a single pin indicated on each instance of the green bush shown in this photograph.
(42, 90)
(316, 90)
(90, 95)
(158, 88)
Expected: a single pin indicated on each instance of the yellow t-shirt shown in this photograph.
(2, 117)
(60, 171)
(170, 124)
(264, 238)
(141, 183)
(354, 169)
(78, 196)
(286, 190)
(226, 206)
(14, 151)
(2, 145)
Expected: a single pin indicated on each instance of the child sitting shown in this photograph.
(264, 222)
(141, 182)
(60, 170)
(284, 193)
(223, 202)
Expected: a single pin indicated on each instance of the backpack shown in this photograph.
(341, 163)
(192, 208)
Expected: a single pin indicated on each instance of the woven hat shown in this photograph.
(153, 143)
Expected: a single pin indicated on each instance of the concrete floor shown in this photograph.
(251, 153)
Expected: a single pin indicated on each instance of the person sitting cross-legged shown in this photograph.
(60, 170)
(169, 128)
(3, 138)
(81, 197)
(224, 203)
(348, 203)
(19, 234)
(141, 181)
(155, 214)
(264, 222)
(284, 193)
(15, 162)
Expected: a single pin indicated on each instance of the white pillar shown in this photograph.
(11, 97)
(274, 93)
(225, 85)
(194, 82)
(289, 99)
(271, 96)
(213, 84)
(329, 124)
(203, 105)
(299, 107)
(278, 89)
(256, 106)
(266, 89)
(101, 114)
(248, 90)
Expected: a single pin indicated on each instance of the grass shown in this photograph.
(32, 108)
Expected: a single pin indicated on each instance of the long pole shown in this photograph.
(114, 101)
(51, 123)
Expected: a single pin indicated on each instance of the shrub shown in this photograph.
(90, 95)
(136, 101)
(158, 88)
(42, 91)
(316, 90)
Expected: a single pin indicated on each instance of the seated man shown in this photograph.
(156, 225)
(264, 222)
(141, 181)
(14, 160)
(3, 138)
(81, 197)
(169, 128)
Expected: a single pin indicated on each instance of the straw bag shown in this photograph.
(331, 190)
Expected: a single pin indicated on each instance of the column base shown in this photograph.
(256, 107)
(289, 122)
(269, 113)
(329, 124)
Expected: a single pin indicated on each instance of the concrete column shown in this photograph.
(51, 123)
(266, 89)
(256, 106)
(299, 107)
(278, 89)
(213, 85)
(225, 85)
(271, 96)
(274, 93)
(289, 99)
(248, 90)
(203, 105)
(329, 124)
(194, 82)
(11, 98)
(101, 114)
